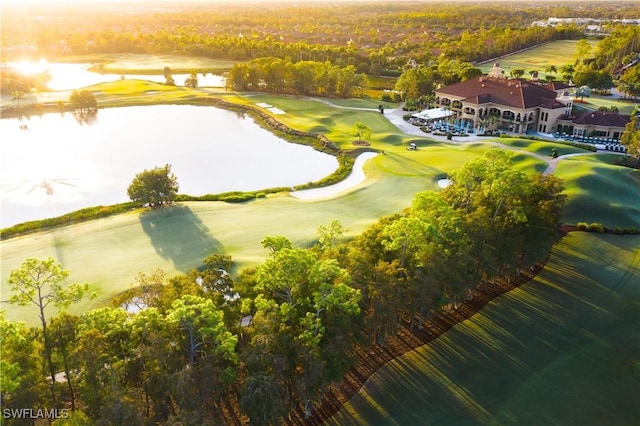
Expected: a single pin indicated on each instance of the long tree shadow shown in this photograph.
(179, 235)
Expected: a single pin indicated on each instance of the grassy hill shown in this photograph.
(561, 349)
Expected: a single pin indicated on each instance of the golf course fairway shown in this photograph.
(561, 349)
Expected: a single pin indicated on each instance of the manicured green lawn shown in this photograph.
(140, 92)
(541, 147)
(595, 102)
(109, 253)
(558, 53)
(599, 190)
(562, 349)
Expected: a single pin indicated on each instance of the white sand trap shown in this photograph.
(443, 183)
(263, 105)
(355, 177)
(276, 111)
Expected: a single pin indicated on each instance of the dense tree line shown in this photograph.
(201, 348)
(372, 37)
(304, 78)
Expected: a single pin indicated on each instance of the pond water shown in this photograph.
(54, 164)
(69, 76)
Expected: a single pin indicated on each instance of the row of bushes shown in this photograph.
(602, 229)
(229, 197)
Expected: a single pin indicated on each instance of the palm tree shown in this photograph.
(492, 119)
(551, 69)
(517, 72)
(568, 71)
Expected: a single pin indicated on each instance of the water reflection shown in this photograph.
(76, 76)
(86, 118)
(57, 166)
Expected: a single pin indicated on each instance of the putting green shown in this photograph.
(561, 349)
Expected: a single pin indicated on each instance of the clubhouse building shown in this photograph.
(521, 106)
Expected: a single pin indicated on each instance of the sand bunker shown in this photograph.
(270, 108)
(443, 183)
(355, 177)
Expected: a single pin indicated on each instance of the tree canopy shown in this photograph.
(83, 101)
(361, 130)
(155, 187)
(631, 139)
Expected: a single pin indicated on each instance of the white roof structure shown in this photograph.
(432, 114)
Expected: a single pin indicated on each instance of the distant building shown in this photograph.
(519, 105)
(600, 124)
(411, 63)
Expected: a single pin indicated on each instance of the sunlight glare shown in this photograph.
(31, 67)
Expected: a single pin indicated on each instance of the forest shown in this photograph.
(363, 39)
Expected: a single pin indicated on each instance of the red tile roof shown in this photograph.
(602, 118)
(500, 91)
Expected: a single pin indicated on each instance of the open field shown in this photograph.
(596, 101)
(558, 53)
(599, 190)
(561, 349)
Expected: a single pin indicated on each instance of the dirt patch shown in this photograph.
(361, 143)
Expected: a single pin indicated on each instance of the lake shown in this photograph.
(71, 76)
(54, 164)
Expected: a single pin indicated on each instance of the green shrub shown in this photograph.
(582, 226)
(386, 97)
(77, 216)
(390, 73)
(596, 227)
